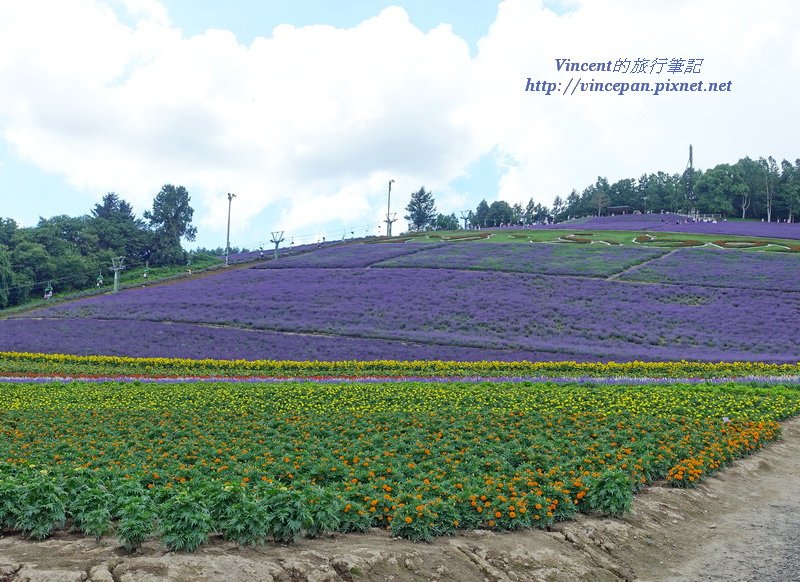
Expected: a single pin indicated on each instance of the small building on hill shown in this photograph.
(614, 210)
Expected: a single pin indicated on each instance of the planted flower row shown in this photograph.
(65, 364)
(258, 462)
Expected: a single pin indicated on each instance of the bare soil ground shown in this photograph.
(743, 524)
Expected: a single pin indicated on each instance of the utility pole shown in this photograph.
(277, 238)
(465, 217)
(389, 216)
(117, 266)
(228, 238)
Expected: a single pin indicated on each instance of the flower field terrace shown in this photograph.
(266, 461)
(43, 364)
(154, 339)
(551, 259)
(347, 256)
(722, 268)
(569, 317)
(678, 223)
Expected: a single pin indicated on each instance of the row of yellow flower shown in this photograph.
(34, 363)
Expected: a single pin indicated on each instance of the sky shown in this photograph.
(306, 109)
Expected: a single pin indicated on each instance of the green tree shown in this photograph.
(771, 175)
(170, 220)
(718, 189)
(752, 200)
(481, 212)
(446, 222)
(788, 192)
(421, 210)
(500, 212)
(623, 193)
(518, 213)
(793, 194)
(116, 229)
(7, 229)
(558, 207)
(6, 277)
(572, 205)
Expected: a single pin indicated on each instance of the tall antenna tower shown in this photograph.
(390, 216)
(228, 236)
(689, 175)
(277, 238)
(117, 266)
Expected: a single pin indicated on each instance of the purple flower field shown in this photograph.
(347, 256)
(286, 251)
(530, 316)
(550, 259)
(722, 268)
(150, 339)
(675, 223)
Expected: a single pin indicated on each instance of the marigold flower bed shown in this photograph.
(275, 461)
(66, 364)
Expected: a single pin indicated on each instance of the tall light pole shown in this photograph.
(228, 237)
(389, 219)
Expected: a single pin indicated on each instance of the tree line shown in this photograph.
(73, 252)
(758, 189)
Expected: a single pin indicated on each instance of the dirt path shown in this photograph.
(751, 530)
(742, 525)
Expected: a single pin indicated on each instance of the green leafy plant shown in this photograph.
(245, 518)
(610, 493)
(137, 522)
(288, 514)
(90, 509)
(8, 501)
(41, 505)
(185, 521)
(325, 508)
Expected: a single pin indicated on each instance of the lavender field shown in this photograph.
(322, 313)
(550, 259)
(722, 268)
(348, 256)
(198, 341)
(676, 223)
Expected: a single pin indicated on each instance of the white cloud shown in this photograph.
(306, 120)
(554, 143)
(310, 123)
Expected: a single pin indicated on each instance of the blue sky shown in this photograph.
(248, 19)
(306, 109)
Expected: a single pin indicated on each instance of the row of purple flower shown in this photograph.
(442, 314)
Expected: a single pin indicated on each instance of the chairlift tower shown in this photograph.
(277, 238)
(465, 217)
(117, 265)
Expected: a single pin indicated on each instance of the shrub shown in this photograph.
(185, 521)
(288, 514)
(90, 509)
(40, 507)
(611, 493)
(245, 519)
(137, 522)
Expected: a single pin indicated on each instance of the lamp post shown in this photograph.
(228, 237)
(389, 219)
